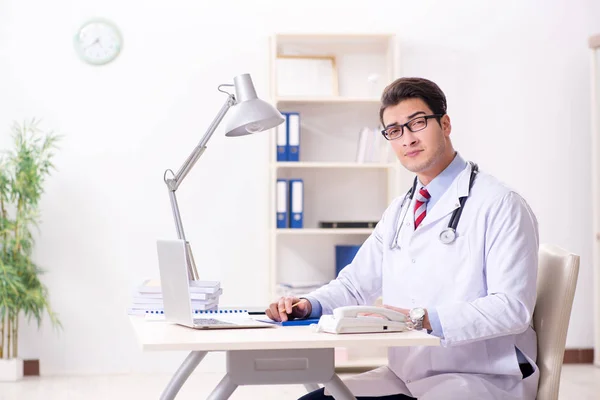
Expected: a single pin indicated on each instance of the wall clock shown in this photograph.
(98, 42)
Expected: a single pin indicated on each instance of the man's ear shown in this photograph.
(446, 125)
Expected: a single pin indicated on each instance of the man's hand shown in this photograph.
(426, 323)
(288, 308)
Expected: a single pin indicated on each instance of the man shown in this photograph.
(474, 288)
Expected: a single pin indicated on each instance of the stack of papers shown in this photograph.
(147, 299)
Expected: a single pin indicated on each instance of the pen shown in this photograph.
(293, 305)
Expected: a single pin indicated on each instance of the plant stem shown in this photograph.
(8, 339)
(3, 216)
(15, 350)
(2, 339)
(17, 239)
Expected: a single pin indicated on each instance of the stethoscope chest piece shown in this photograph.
(448, 236)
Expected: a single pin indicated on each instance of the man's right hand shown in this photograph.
(282, 309)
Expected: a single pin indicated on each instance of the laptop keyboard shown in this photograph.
(210, 321)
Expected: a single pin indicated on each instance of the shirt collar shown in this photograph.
(442, 182)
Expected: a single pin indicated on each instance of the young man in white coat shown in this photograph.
(475, 288)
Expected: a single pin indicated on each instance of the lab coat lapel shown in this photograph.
(449, 200)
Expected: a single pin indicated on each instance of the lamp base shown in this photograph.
(191, 264)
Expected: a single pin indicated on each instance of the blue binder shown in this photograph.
(282, 139)
(293, 130)
(294, 322)
(282, 203)
(344, 254)
(296, 208)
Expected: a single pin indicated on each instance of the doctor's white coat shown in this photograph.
(483, 286)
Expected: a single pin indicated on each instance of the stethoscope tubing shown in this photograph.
(448, 235)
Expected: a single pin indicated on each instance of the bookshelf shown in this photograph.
(337, 187)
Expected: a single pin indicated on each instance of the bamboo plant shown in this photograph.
(23, 170)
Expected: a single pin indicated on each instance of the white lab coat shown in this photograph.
(483, 286)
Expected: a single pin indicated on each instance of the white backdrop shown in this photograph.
(516, 74)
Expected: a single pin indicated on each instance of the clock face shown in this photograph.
(98, 42)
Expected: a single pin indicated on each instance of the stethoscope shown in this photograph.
(448, 235)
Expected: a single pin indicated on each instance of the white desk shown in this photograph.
(278, 355)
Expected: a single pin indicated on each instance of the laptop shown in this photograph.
(177, 301)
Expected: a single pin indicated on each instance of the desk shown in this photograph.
(262, 356)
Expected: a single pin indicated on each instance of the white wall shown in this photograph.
(516, 75)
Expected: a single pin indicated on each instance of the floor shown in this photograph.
(581, 382)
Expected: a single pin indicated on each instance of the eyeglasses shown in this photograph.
(414, 125)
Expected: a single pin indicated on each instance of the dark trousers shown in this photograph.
(319, 394)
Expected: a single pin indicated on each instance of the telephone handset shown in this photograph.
(347, 320)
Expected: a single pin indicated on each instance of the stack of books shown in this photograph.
(147, 298)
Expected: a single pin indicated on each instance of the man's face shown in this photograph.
(417, 151)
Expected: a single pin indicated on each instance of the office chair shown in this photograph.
(557, 279)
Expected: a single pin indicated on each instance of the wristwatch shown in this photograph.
(416, 316)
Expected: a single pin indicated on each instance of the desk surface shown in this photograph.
(161, 335)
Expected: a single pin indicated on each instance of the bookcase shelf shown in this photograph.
(337, 186)
(349, 165)
(334, 99)
(325, 231)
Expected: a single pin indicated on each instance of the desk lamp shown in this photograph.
(249, 114)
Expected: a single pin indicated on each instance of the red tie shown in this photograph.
(421, 206)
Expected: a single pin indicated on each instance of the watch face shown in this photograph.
(98, 42)
(417, 313)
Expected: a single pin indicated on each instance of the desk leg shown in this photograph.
(311, 387)
(224, 389)
(338, 389)
(183, 372)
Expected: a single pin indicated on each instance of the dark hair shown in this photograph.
(409, 88)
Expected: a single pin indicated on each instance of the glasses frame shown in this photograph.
(383, 132)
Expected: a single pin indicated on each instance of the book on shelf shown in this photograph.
(296, 200)
(282, 204)
(347, 224)
(290, 203)
(344, 255)
(288, 138)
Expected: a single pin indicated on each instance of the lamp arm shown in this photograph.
(174, 182)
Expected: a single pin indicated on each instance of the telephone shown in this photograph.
(346, 320)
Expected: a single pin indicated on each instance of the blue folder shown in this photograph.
(294, 322)
(296, 203)
(293, 136)
(344, 255)
(282, 204)
(282, 139)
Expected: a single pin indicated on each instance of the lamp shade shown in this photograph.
(250, 114)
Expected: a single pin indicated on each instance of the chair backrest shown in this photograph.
(557, 279)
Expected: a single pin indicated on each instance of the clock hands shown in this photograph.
(93, 43)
